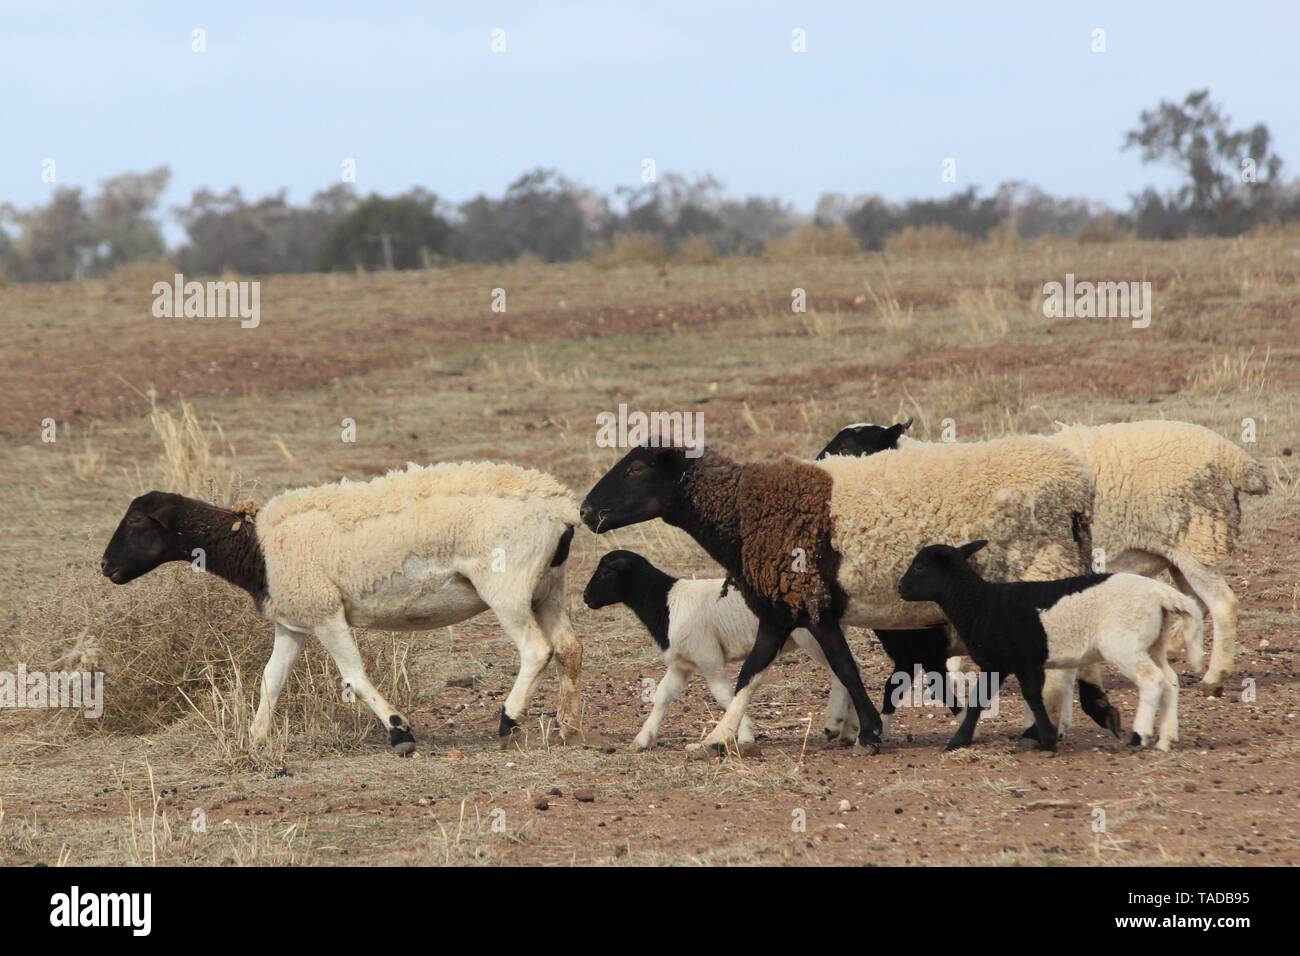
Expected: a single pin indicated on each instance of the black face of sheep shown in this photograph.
(645, 484)
(144, 539)
(863, 440)
(609, 582)
(932, 566)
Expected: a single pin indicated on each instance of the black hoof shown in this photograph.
(1135, 740)
(1049, 747)
(867, 745)
(1113, 722)
(401, 740)
(1027, 742)
(956, 744)
(507, 724)
(1030, 733)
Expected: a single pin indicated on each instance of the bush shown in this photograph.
(697, 251)
(633, 248)
(813, 242)
(922, 239)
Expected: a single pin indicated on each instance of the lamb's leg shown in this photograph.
(1032, 680)
(553, 617)
(720, 688)
(835, 725)
(284, 655)
(836, 648)
(1209, 587)
(768, 644)
(974, 708)
(1151, 685)
(669, 689)
(1169, 717)
(534, 654)
(336, 638)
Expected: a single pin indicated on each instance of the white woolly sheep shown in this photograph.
(699, 626)
(417, 549)
(818, 545)
(1023, 627)
(1168, 498)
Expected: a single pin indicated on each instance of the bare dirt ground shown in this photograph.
(428, 372)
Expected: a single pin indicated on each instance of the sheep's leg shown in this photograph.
(1209, 587)
(1169, 717)
(1092, 701)
(836, 648)
(771, 638)
(284, 655)
(1032, 680)
(720, 688)
(669, 689)
(336, 638)
(534, 654)
(553, 617)
(1151, 684)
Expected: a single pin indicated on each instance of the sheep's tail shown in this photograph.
(1184, 612)
(1246, 474)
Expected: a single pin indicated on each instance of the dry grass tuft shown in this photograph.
(986, 311)
(812, 242)
(196, 460)
(632, 248)
(916, 240)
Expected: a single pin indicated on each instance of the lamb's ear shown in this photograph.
(892, 433)
(970, 548)
(162, 511)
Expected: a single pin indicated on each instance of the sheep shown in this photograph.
(416, 549)
(821, 544)
(1183, 516)
(927, 648)
(1023, 627)
(698, 625)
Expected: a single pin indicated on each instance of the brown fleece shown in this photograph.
(764, 521)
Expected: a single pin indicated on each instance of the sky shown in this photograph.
(415, 95)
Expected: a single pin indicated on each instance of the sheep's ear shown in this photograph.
(893, 432)
(162, 511)
(968, 549)
(671, 461)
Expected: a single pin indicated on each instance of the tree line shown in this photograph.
(1231, 183)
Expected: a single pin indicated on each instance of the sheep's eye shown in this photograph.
(635, 469)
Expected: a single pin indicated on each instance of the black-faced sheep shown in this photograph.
(1025, 627)
(414, 550)
(698, 625)
(818, 545)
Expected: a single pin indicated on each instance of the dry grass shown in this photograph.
(813, 242)
(923, 240)
(631, 249)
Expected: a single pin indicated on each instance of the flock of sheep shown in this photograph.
(983, 549)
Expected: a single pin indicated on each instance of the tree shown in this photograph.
(397, 233)
(1230, 176)
(122, 219)
(541, 213)
(56, 242)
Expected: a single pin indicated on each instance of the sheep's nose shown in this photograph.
(585, 513)
(103, 565)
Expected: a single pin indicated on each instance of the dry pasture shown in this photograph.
(428, 372)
